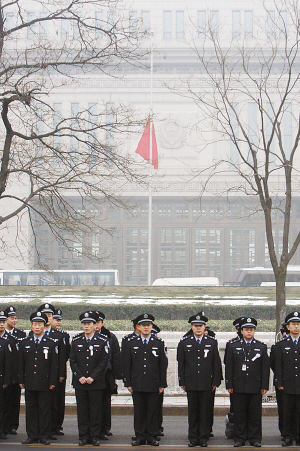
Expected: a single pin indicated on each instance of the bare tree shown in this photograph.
(50, 155)
(248, 100)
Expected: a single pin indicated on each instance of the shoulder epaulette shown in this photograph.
(185, 337)
(156, 337)
(76, 337)
(259, 341)
(55, 340)
(21, 330)
(79, 334)
(23, 338)
(102, 337)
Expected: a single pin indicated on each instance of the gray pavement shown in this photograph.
(122, 428)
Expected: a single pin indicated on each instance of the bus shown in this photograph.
(88, 277)
(255, 277)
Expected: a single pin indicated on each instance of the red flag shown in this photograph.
(143, 148)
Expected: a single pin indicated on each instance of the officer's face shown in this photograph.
(88, 328)
(294, 328)
(145, 329)
(248, 333)
(38, 328)
(11, 321)
(98, 325)
(56, 323)
(2, 326)
(50, 317)
(198, 330)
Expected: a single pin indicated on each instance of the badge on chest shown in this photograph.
(46, 353)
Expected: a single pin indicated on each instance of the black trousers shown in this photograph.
(160, 411)
(89, 413)
(210, 411)
(12, 395)
(279, 399)
(106, 410)
(146, 406)
(38, 413)
(2, 409)
(58, 406)
(247, 417)
(198, 415)
(291, 416)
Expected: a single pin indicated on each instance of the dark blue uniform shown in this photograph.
(6, 360)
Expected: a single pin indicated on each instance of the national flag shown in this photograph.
(143, 147)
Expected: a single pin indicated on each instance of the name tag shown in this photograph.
(91, 350)
(46, 352)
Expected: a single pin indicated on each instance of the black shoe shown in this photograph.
(13, 431)
(256, 444)
(29, 441)
(3, 436)
(211, 434)
(158, 439)
(95, 442)
(108, 433)
(138, 442)
(44, 441)
(59, 432)
(160, 434)
(153, 442)
(102, 436)
(238, 444)
(203, 444)
(83, 442)
(287, 442)
(52, 437)
(192, 443)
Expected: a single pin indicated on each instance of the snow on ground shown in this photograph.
(135, 300)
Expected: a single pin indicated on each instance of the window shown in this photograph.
(31, 28)
(98, 24)
(181, 210)
(236, 24)
(287, 130)
(167, 25)
(74, 131)
(201, 24)
(234, 153)
(133, 23)
(76, 27)
(179, 24)
(270, 28)
(145, 29)
(283, 25)
(42, 26)
(164, 210)
(214, 23)
(248, 24)
(111, 19)
(65, 28)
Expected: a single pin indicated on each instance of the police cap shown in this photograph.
(88, 317)
(39, 316)
(155, 329)
(248, 322)
(198, 320)
(46, 308)
(3, 315)
(237, 321)
(294, 316)
(57, 314)
(10, 311)
(145, 318)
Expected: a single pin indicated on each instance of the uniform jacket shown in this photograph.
(256, 363)
(287, 366)
(232, 340)
(199, 366)
(114, 364)
(14, 343)
(6, 360)
(89, 360)
(38, 364)
(145, 367)
(57, 335)
(18, 333)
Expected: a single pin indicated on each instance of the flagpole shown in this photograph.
(150, 167)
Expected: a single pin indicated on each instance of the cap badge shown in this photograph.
(197, 317)
(59, 312)
(295, 313)
(1, 313)
(11, 309)
(86, 315)
(145, 316)
(248, 320)
(38, 314)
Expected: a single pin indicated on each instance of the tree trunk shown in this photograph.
(280, 299)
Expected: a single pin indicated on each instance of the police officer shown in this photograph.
(155, 331)
(145, 371)
(247, 370)
(6, 359)
(57, 427)
(113, 371)
(199, 372)
(88, 360)
(38, 363)
(12, 394)
(286, 378)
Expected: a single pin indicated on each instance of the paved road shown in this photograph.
(175, 436)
